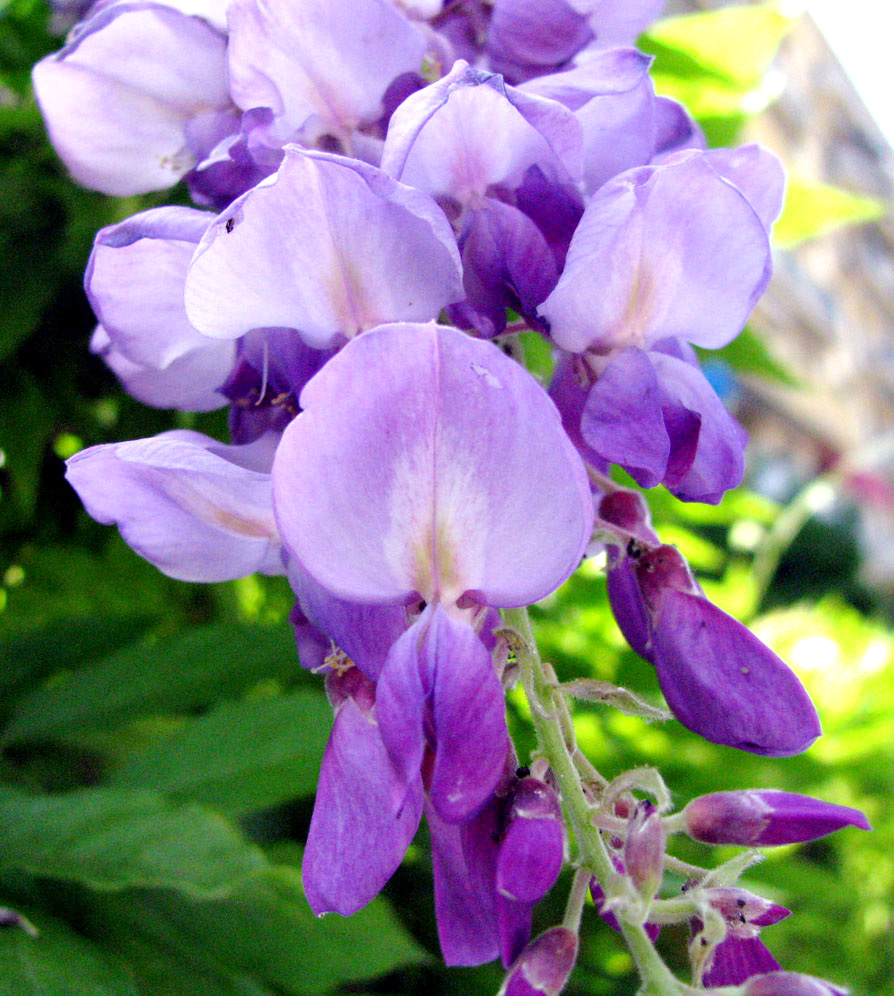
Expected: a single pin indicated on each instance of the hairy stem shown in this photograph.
(549, 712)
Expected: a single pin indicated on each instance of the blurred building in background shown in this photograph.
(828, 315)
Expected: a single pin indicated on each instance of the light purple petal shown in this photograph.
(721, 682)
(718, 461)
(402, 701)
(676, 129)
(669, 251)
(623, 420)
(612, 97)
(658, 417)
(322, 66)
(196, 509)
(424, 498)
(363, 821)
(469, 131)
(291, 253)
(466, 918)
(757, 173)
(365, 633)
(118, 97)
(190, 383)
(439, 680)
(618, 22)
(135, 280)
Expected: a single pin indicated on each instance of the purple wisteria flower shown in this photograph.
(639, 287)
(375, 165)
(461, 507)
(137, 96)
(290, 254)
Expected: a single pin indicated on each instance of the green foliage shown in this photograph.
(812, 209)
(716, 63)
(59, 962)
(187, 671)
(238, 757)
(122, 839)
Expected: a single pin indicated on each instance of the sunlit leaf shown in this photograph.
(715, 61)
(812, 209)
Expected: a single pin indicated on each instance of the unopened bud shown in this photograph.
(789, 984)
(644, 849)
(744, 911)
(757, 818)
(532, 850)
(543, 968)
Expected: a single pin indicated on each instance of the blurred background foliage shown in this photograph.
(160, 744)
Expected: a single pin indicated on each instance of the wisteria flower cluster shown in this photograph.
(388, 192)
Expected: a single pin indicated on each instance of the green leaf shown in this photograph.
(31, 656)
(159, 971)
(120, 839)
(715, 61)
(267, 932)
(58, 962)
(748, 354)
(811, 209)
(183, 672)
(240, 757)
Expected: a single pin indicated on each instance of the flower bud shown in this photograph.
(789, 984)
(542, 969)
(743, 911)
(757, 818)
(644, 849)
(532, 850)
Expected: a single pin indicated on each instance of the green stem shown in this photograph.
(549, 712)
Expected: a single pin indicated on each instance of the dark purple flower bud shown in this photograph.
(628, 510)
(543, 967)
(528, 862)
(719, 680)
(644, 849)
(790, 984)
(531, 853)
(760, 818)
